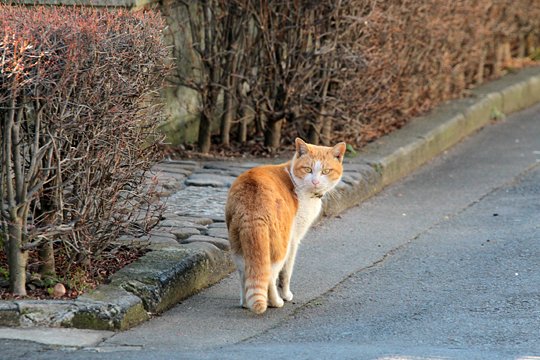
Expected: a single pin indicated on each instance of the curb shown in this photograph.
(173, 271)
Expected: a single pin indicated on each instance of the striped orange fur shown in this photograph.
(269, 210)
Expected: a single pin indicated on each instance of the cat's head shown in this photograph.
(317, 169)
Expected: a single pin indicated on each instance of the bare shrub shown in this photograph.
(342, 70)
(78, 118)
(419, 54)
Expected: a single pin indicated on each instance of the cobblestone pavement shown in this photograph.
(195, 194)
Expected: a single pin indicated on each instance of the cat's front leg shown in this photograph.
(274, 299)
(286, 273)
(284, 287)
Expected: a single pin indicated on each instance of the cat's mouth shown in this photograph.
(318, 195)
(317, 191)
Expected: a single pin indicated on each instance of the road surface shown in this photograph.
(444, 264)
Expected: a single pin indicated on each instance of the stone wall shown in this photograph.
(182, 102)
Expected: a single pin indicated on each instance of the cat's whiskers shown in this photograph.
(334, 194)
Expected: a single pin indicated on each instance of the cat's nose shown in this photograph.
(315, 182)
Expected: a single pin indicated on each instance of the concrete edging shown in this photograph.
(173, 272)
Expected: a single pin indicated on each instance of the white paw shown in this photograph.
(277, 302)
(287, 295)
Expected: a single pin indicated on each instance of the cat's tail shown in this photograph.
(257, 266)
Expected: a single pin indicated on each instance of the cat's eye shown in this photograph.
(326, 171)
(308, 170)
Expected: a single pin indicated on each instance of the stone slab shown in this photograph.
(219, 225)
(218, 232)
(211, 180)
(163, 278)
(9, 314)
(194, 220)
(174, 223)
(184, 233)
(218, 242)
(58, 336)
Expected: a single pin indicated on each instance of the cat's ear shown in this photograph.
(339, 151)
(301, 146)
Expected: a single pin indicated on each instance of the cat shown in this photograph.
(269, 210)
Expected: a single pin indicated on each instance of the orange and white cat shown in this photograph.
(269, 210)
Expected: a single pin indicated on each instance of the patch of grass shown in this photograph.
(351, 152)
(4, 273)
(497, 114)
(535, 55)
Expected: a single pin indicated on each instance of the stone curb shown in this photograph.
(183, 263)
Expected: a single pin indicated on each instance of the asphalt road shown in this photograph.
(445, 264)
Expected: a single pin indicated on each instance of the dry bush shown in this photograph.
(77, 105)
(419, 54)
(342, 70)
(258, 64)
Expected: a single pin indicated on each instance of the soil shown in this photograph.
(251, 150)
(81, 278)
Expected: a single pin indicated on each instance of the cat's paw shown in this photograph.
(277, 303)
(286, 295)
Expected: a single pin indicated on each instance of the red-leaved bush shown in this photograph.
(78, 119)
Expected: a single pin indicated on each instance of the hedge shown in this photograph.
(78, 115)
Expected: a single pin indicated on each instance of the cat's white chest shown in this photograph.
(309, 208)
